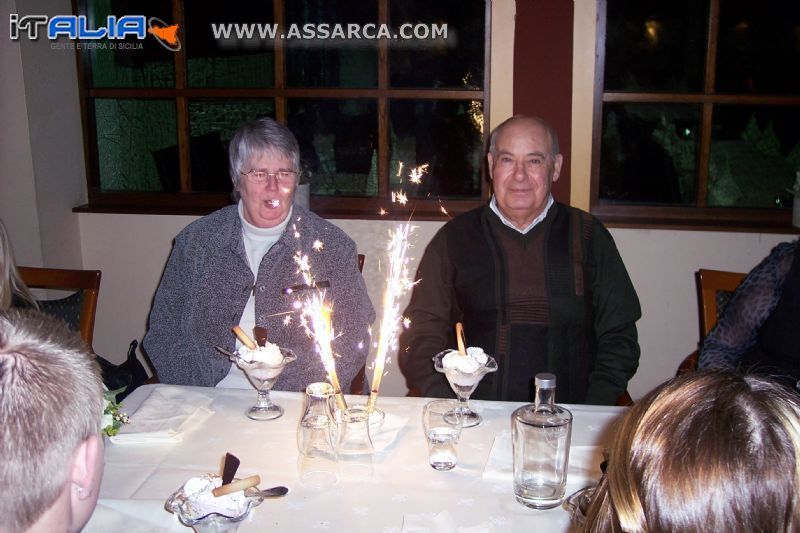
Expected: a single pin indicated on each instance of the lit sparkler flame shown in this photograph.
(318, 245)
(382, 212)
(399, 197)
(415, 176)
(397, 283)
(316, 320)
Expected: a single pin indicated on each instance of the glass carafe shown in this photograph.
(541, 439)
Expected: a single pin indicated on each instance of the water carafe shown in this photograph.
(541, 437)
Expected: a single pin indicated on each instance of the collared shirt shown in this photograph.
(526, 229)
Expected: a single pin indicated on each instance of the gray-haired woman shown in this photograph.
(232, 266)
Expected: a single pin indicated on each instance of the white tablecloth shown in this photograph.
(139, 477)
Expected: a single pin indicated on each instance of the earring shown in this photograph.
(79, 490)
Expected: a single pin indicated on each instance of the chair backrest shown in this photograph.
(714, 289)
(85, 282)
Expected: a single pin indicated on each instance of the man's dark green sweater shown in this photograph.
(556, 299)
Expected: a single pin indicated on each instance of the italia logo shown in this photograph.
(77, 28)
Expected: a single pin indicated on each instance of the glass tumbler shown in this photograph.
(354, 446)
(317, 465)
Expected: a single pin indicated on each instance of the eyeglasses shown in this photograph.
(283, 177)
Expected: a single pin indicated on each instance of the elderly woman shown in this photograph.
(232, 268)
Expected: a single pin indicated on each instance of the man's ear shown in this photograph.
(490, 160)
(557, 166)
(85, 465)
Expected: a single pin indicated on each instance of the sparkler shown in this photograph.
(316, 320)
(397, 283)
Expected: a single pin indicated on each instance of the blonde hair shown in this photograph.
(707, 451)
(10, 282)
(51, 400)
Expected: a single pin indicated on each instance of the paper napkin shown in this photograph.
(385, 436)
(165, 416)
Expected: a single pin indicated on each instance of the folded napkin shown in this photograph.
(386, 434)
(499, 465)
(440, 523)
(584, 461)
(165, 416)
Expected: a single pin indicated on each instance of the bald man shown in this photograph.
(537, 284)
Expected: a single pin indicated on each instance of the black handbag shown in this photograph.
(127, 376)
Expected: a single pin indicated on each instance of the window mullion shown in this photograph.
(182, 106)
(383, 105)
(279, 15)
(709, 82)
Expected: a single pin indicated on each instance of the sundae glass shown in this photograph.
(464, 372)
(262, 366)
(196, 507)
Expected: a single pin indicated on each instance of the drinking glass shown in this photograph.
(263, 376)
(315, 439)
(463, 384)
(354, 448)
(442, 423)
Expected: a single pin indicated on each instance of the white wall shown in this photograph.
(17, 187)
(662, 264)
(42, 175)
(131, 250)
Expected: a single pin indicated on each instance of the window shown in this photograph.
(699, 121)
(157, 121)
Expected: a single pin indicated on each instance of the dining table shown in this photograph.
(401, 494)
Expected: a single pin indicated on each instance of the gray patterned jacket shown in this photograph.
(206, 284)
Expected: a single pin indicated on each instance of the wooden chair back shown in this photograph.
(359, 382)
(714, 289)
(85, 281)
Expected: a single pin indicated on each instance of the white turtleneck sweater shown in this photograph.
(257, 242)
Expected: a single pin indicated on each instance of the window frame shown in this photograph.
(700, 216)
(188, 202)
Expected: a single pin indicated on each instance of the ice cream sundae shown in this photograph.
(200, 499)
(262, 363)
(270, 355)
(213, 502)
(464, 368)
(205, 503)
(466, 365)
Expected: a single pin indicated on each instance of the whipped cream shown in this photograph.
(269, 354)
(468, 364)
(201, 501)
(465, 370)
